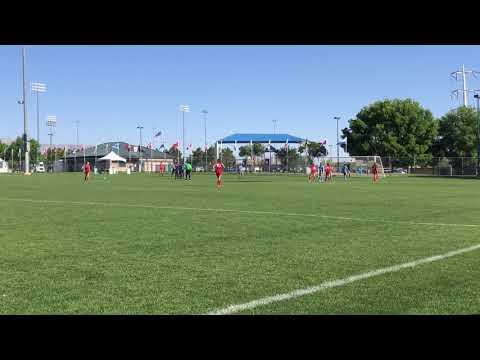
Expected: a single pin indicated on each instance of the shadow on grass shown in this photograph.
(463, 177)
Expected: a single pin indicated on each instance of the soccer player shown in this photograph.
(375, 172)
(188, 171)
(87, 171)
(328, 172)
(321, 172)
(345, 171)
(219, 167)
(313, 172)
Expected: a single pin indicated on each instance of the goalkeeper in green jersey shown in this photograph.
(188, 171)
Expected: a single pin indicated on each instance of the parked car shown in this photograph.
(399, 171)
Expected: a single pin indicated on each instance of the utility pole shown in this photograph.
(205, 112)
(151, 150)
(26, 141)
(461, 75)
(477, 96)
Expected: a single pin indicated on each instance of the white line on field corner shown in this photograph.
(256, 212)
(335, 283)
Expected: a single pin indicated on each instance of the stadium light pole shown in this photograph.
(77, 123)
(477, 96)
(338, 149)
(205, 112)
(183, 109)
(51, 123)
(274, 132)
(140, 127)
(38, 88)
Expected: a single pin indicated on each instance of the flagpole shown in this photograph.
(287, 156)
(269, 157)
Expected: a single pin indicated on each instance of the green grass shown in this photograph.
(101, 250)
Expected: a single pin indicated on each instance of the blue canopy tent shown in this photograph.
(259, 139)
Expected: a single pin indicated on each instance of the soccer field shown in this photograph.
(146, 244)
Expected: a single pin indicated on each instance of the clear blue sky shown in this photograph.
(112, 89)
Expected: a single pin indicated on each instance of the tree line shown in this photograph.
(404, 129)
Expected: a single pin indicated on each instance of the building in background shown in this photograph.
(137, 158)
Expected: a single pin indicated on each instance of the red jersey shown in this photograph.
(219, 168)
(87, 168)
(313, 168)
(328, 169)
(374, 169)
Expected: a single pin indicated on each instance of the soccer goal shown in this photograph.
(358, 165)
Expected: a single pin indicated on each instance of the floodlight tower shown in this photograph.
(51, 123)
(461, 75)
(38, 88)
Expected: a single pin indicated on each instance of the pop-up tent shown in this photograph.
(112, 156)
(3, 166)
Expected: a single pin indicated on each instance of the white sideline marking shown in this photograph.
(330, 284)
(259, 212)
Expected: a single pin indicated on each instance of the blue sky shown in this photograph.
(112, 89)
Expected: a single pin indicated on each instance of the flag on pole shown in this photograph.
(162, 146)
(174, 146)
(342, 142)
(158, 134)
(235, 145)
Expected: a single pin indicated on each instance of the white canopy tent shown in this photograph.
(112, 156)
(3, 166)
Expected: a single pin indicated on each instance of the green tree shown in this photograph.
(228, 158)
(258, 150)
(3, 150)
(198, 156)
(293, 156)
(457, 133)
(397, 128)
(175, 152)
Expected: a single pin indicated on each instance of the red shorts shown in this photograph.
(218, 174)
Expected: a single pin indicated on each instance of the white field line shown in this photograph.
(259, 212)
(335, 283)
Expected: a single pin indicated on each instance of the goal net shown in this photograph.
(358, 165)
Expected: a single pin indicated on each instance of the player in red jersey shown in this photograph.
(375, 172)
(328, 172)
(313, 173)
(87, 172)
(219, 171)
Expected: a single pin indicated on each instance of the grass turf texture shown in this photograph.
(89, 254)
